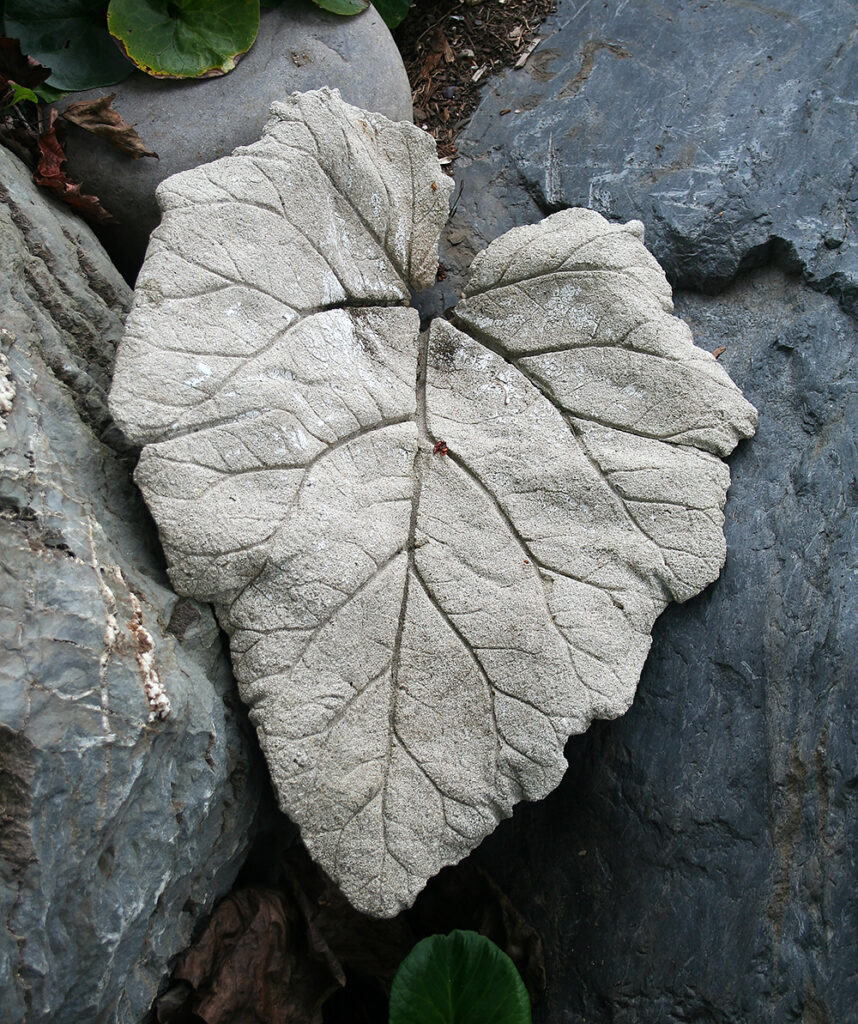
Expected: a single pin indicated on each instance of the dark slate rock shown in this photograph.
(698, 861)
(730, 128)
(118, 826)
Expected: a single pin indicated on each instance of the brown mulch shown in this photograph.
(452, 47)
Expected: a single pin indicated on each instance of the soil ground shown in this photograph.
(450, 49)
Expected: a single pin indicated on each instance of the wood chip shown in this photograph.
(522, 60)
(478, 74)
(719, 351)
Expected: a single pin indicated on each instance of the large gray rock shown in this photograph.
(127, 780)
(697, 862)
(299, 47)
(729, 129)
(436, 556)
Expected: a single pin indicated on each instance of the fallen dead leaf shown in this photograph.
(719, 351)
(274, 954)
(99, 117)
(16, 69)
(255, 963)
(49, 174)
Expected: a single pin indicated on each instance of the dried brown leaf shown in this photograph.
(276, 954)
(49, 174)
(99, 117)
(253, 964)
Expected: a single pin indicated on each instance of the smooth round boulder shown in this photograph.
(187, 123)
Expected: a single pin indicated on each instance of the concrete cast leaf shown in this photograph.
(437, 555)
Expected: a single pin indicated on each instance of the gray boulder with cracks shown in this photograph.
(697, 861)
(437, 555)
(127, 783)
(728, 129)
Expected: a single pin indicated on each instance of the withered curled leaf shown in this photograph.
(50, 174)
(98, 117)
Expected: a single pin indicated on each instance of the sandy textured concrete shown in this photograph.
(438, 555)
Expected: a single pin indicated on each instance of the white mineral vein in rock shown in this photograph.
(7, 390)
(416, 633)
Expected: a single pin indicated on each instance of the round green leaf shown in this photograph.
(393, 11)
(460, 978)
(343, 6)
(71, 38)
(184, 38)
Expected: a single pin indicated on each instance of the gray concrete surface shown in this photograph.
(437, 555)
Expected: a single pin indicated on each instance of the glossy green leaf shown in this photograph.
(460, 978)
(70, 37)
(393, 11)
(345, 7)
(184, 38)
(21, 94)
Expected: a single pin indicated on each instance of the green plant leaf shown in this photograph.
(48, 95)
(393, 11)
(184, 38)
(345, 7)
(460, 978)
(20, 94)
(71, 38)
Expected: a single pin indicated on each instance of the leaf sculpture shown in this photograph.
(436, 555)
